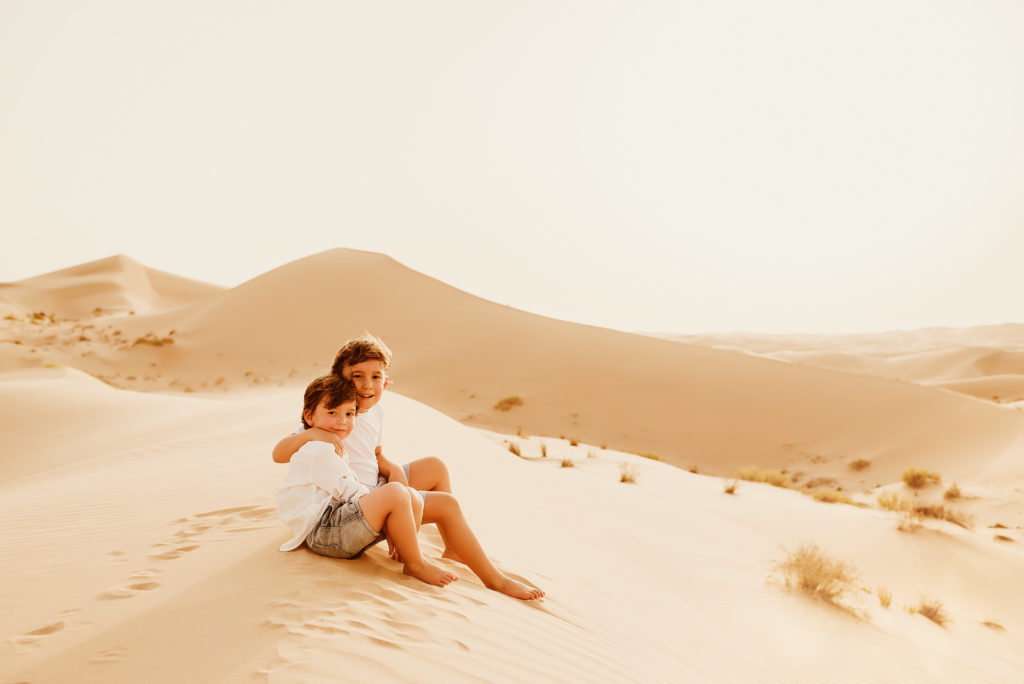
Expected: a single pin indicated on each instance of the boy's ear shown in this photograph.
(306, 416)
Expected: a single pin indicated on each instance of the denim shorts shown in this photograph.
(342, 531)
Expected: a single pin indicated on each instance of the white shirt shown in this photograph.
(361, 445)
(316, 474)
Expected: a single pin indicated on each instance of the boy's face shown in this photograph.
(370, 380)
(338, 420)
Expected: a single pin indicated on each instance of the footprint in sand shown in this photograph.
(137, 583)
(110, 655)
(210, 525)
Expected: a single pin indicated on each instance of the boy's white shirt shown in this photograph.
(361, 445)
(316, 475)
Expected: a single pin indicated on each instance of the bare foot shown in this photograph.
(510, 587)
(431, 574)
(451, 555)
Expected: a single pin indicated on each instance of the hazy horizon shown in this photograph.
(654, 167)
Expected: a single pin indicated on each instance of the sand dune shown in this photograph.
(691, 405)
(140, 533)
(157, 562)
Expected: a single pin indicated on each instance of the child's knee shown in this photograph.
(396, 491)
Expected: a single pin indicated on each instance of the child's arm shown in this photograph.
(389, 469)
(287, 447)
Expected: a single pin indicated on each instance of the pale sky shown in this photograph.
(786, 166)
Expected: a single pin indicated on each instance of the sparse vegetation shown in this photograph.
(543, 450)
(693, 469)
(567, 462)
(151, 339)
(514, 448)
(891, 501)
(730, 486)
(591, 453)
(507, 403)
(942, 513)
(1003, 538)
(810, 570)
(916, 478)
(884, 597)
(627, 472)
(952, 493)
(776, 478)
(994, 625)
(932, 609)
(574, 441)
(832, 496)
(648, 454)
(860, 464)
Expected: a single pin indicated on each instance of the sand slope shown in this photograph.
(691, 405)
(157, 562)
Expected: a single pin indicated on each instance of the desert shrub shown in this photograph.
(1003, 538)
(933, 610)
(860, 464)
(994, 625)
(941, 513)
(151, 339)
(543, 450)
(730, 487)
(776, 478)
(514, 448)
(627, 472)
(574, 441)
(567, 462)
(953, 492)
(508, 402)
(693, 469)
(915, 478)
(649, 454)
(832, 496)
(884, 597)
(811, 571)
(891, 501)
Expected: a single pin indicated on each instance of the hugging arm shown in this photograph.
(286, 448)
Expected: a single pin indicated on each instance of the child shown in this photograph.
(365, 360)
(327, 507)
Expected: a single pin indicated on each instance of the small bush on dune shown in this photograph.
(884, 597)
(514, 448)
(648, 454)
(942, 513)
(627, 472)
(543, 450)
(508, 402)
(776, 478)
(832, 496)
(916, 478)
(567, 462)
(151, 339)
(811, 571)
(860, 464)
(994, 625)
(891, 501)
(933, 610)
(730, 487)
(952, 493)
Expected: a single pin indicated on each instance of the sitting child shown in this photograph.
(329, 509)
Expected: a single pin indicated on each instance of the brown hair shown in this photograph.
(333, 390)
(366, 347)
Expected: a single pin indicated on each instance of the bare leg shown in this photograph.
(431, 475)
(444, 509)
(389, 508)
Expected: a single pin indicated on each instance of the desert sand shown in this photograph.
(140, 537)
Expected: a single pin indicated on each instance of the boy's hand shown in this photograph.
(318, 435)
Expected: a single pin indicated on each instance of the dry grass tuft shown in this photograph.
(514, 448)
(574, 441)
(860, 464)
(1003, 538)
(567, 462)
(508, 402)
(543, 450)
(649, 454)
(591, 454)
(832, 496)
(151, 339)
(811, 571)
(891, 501)
(884, 597)
(730, 487)
(916, 478)
(933, 610)
(627, 472)
(952, 493)
(776, 478)
(994, 625)
(942, 513)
